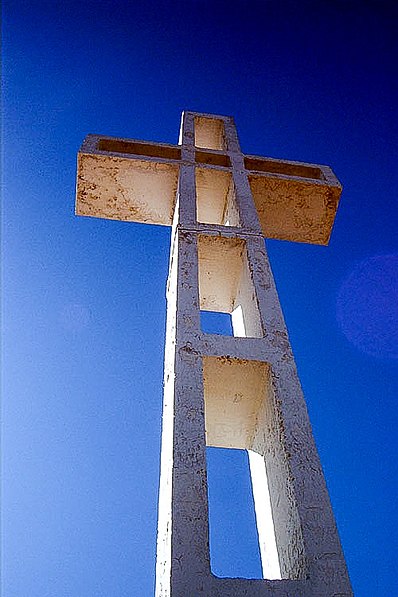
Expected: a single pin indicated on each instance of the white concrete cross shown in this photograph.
(232, 392)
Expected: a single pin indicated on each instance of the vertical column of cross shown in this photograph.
(307, 547)
(309, 552)
(190, 522)
(282, 551)
(307, 539)
(272, 437)
(254, 241)
(244, 199)
(164, 528)
(185, 561)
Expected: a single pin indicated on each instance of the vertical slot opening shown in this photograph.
(216, 197)
(209, 133)
(241, 412)
(235, 392)
(234, 547)
(226, 285)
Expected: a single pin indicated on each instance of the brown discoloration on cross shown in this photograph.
(137, 181)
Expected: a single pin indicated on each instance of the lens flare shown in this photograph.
(367, 306)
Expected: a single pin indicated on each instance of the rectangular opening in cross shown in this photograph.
(212, 159)
(212, 322)
(234, 547)
(238, 399)
(226, 285)
(209, 133)
(216, 197)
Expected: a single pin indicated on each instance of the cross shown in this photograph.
(232, 392)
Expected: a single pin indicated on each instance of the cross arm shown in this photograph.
(294, 201)
(125, 179)
(137, 181)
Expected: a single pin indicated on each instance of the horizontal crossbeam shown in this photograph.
(133, 180)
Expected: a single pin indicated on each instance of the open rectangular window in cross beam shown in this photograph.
(226, 285)
(235, 393)
(212, 159)
(209, 133)
(242, 413)
(234, 546)
(216, 197)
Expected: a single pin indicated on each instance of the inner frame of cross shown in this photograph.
(239, 392)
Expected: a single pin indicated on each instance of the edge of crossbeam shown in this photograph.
(129, 148)
(295, 201)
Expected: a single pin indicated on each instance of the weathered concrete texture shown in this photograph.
(124, 189)
(215, 197)
(235, 392)
(268, 415)
(209, 133)
(136, 181)
(286, 206)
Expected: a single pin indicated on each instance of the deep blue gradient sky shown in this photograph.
(84, 299)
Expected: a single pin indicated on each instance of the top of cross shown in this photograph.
(130, 180)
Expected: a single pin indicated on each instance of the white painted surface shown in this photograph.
(264, 520)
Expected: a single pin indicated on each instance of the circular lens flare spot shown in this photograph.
(367, 306)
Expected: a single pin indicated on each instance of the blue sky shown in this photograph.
(84, 299)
